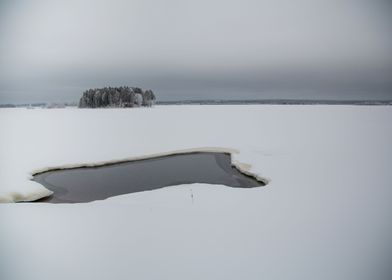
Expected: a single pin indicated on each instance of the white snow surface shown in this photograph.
(325, 214)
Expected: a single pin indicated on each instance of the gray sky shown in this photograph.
(52, 50)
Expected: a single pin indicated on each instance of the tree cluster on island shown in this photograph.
(117, 97)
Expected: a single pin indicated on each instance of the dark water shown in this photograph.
(95, 183)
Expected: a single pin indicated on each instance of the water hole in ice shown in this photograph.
(86, 184)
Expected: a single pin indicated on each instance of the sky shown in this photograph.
(52, 50)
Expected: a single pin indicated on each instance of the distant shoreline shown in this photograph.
(223, 102)
(277, 102)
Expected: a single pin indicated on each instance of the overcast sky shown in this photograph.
(52, 50)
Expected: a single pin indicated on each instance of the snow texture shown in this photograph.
(325, 214)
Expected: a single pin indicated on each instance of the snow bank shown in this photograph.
(325, 214)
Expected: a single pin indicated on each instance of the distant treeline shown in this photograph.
(7, 106)
(277, 102)
(40, 104)
(117, 97)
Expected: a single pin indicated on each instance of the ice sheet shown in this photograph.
(326, 212)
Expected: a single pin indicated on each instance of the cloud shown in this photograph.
(201, 45)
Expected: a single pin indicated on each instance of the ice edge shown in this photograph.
(242, 167)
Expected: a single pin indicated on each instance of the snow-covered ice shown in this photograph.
(325, 214)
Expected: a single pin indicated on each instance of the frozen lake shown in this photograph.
(326, 212)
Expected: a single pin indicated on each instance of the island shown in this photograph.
(124, 96)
